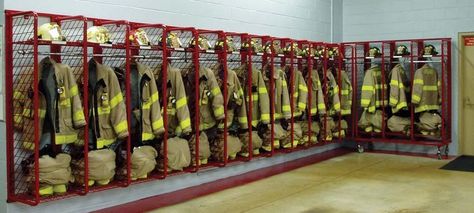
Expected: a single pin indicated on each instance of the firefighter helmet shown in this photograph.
(50, 32)
(374, 52)
(402, 50)
(173, 40)
(429, 50)
(139, 37)
(230, 44)
(98, 34)
(203, 43)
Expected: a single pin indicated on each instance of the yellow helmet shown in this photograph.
(287, 49)
(139, 37)
(173, 40)
(50, 32)
(374, 52)
(230, 44)
(333, 52)
(203, 43)
(98, 34)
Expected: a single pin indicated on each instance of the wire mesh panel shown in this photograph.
(237, 62)
(182, 56)
(150, 54)
(31, 38)
(111, 122)
(212, 64)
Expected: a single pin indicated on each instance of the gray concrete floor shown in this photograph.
(351, 183)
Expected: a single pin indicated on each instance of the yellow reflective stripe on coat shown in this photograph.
(78, 115)
(152, 100)
(303, 88)
(101, 143)
(74, 91)
(286, 108)
(216, 91)
(157, 124)
(17, 118)
(426, 108)
(219, 111)
(379, 103)
(321, 106)
(337, 106)
(116, 100)
(345, 92)
(181, 102)
(103, 110)
(243, 120)
(430, 88)
(65, 139)
(121, 127)
(185, 123)
(367, 88)
(365, 102)
(314, 110)
(301, 105)
(255, 122)
(394, 83)
(401, 105)
(415, 98)
(345, 111)
(283, 83)
(65, 102)
(276, 116)
(262, 90)
(265, 117)
(241, 91)
(147, 136)
(393, 101)
(18, 95)
(254, 97)
(418, 81)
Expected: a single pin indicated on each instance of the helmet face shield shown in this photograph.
(50, 32)
(139, 37)
(98, 34)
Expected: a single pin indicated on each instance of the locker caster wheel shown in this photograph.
(439, 155)
(360, 148)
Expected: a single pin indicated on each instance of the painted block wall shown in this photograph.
(299, 19)
(404, 19)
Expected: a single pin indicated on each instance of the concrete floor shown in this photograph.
(351, 183)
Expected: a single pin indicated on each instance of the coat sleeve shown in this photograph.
(336, 101)
(118, 112)
(263, 99)
(242, 110)
(303, 92)
(217, 97)
(349, 87)
(368, 89)
(182, 109)
(78, 118)
(285, 98)
(21, 99)
(395, 82)
(320, 96)
(155, 108)
(417, 87)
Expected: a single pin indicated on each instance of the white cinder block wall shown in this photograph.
(298, 19)
(404, 19)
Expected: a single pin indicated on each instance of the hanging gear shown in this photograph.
(203, 43)
(427, 90)
(374, 52)
(429, 50)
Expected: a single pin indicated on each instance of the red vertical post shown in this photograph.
(196, 102)
(36, 109)
(309, 60)
(9, 106)
(164, 81)
(223, 60)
